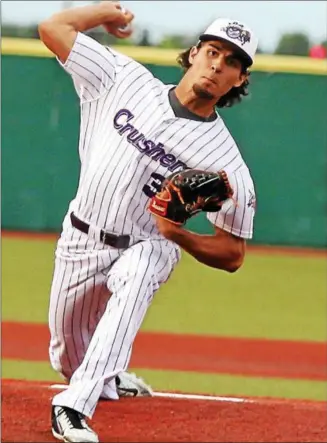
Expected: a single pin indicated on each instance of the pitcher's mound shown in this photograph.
(26, 418)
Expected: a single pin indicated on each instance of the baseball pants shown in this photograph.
(99, 297)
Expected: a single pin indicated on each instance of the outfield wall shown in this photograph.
(281, 129)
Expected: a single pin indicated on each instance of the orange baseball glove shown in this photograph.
(186, 193)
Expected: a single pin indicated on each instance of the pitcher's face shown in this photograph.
(215, 70)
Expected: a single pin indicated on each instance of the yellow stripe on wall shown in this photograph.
(167, 57)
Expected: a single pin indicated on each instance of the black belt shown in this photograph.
(116, 241)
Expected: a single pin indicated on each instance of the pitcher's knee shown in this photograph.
(59, 358)
(56, 366)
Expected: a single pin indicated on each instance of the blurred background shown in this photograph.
(284, 27)
(279, 294)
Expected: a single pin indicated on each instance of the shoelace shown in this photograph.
(62, 413)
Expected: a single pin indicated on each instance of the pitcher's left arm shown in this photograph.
(225, 249)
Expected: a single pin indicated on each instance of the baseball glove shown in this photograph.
(186, 193)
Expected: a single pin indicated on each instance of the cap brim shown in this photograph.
(242, 54)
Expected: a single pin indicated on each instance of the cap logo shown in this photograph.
(236, 31)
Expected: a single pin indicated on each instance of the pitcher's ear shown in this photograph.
(193, 52)
(241, 80)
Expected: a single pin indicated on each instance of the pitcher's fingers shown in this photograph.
(123, 32)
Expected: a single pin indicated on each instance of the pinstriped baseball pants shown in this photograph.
(92, 332)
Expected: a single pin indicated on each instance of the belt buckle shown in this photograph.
(116, 241)
(104, 236)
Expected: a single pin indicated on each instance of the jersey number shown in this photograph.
(154, 186)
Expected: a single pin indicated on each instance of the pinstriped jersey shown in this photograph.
(130, 140)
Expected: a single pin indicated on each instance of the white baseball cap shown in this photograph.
(234, 32)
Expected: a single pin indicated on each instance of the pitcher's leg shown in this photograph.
(78, 294)
(133, 280)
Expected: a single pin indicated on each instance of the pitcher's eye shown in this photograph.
(232, 61)
(212, 53)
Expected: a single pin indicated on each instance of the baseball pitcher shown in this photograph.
(152, 156)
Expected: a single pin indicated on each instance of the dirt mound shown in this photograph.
(26, 418)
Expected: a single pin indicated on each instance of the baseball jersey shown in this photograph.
(130, 140)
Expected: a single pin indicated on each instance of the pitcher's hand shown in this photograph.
(119, 20)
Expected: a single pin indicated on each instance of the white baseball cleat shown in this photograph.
(70, 426)
(129, 385)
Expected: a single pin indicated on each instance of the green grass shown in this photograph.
(273, 296)
(25, 370)
(27, 267)
(190, 382)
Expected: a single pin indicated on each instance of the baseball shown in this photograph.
(126, 28)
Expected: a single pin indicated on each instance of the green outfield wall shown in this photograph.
(281, 130)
